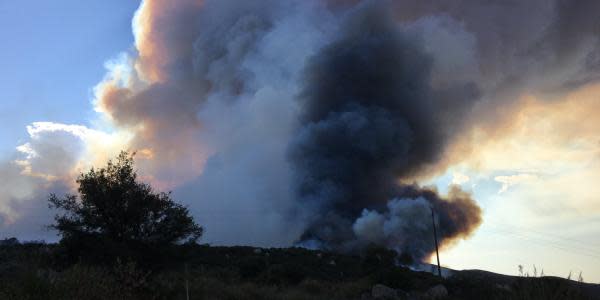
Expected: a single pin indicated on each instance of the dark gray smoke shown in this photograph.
(371, 118)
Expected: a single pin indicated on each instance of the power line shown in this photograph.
(567, 248)
(569, 245)
(585, 243)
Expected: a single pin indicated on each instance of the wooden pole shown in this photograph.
(437, 253)
(187, 284)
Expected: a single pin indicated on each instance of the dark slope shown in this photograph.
(37, 271)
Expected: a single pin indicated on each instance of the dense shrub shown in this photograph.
(117, 216)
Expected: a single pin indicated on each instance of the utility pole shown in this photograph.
(187, 283)
(437, 253)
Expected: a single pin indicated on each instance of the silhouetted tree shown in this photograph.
(115, 210)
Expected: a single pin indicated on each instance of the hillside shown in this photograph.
(37, 271)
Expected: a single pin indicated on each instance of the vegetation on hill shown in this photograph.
(122, 240)
(35, 271)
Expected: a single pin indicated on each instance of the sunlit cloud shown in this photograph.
(459, 178)
(48, 162)
(510, 180)
(546, 155)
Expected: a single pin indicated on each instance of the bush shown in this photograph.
(117, 216)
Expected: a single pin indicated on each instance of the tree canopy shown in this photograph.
(114, 206)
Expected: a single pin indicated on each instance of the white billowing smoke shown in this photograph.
(245, 185)
(399, 225)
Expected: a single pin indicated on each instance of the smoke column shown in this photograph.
(370, 118)
(309, 121)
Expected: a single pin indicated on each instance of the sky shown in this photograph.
(236, 107)
(56, 56)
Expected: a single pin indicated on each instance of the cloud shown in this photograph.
(550, 136)
(47, 163)
(54, 150)
(459, 178)
(546, 158)
(508, 181)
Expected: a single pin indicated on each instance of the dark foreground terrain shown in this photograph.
(38, 271)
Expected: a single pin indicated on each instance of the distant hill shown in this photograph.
(37, 271)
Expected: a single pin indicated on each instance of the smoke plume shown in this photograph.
(312, 121)
(371, 118)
